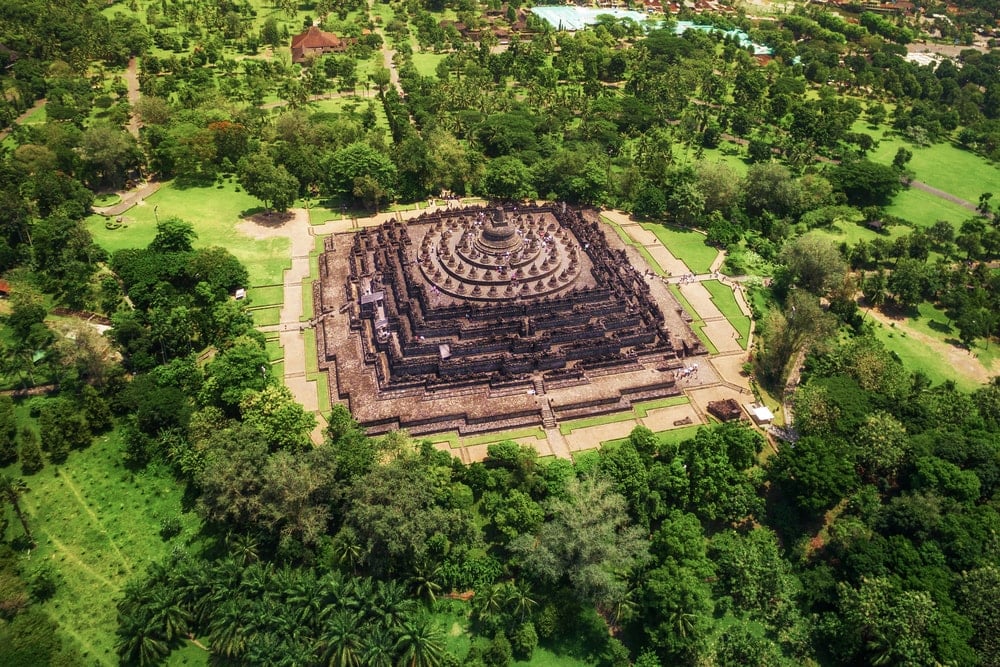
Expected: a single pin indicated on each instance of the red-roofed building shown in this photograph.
(4, 288)
(314, 43)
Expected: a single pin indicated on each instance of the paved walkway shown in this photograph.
(130, 198)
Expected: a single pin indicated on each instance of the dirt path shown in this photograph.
(20, 119)
(920, 185)
(132, 82)
(958, 358)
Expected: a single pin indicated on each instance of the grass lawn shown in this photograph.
(943, 165)
(623, 235)
(686, 245)
(671, 437)
(725, 301)
(97, 524)
(851, 233)
(918, 357)
(642, 409)
(924, 209)
(455, 441)
(269, 295)
(426, 63)
(266, 316)
(214, 212)
(568, 427)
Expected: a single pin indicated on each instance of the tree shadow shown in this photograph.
(939, 326)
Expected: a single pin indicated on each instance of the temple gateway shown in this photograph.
(492, 318)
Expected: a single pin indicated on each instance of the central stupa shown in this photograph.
(491, 257)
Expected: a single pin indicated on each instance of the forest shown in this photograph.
(162, 500)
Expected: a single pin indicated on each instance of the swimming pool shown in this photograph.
(570, 17)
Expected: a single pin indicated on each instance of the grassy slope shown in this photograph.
(97, 523)
(214, 211)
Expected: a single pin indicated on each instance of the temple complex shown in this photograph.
(492, 318)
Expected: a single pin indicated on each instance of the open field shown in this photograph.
(97, 524)
(924, 209)
(725, 301)
(214, 211)
(942, 165)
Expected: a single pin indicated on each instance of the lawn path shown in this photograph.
(63, 475)
(941, 194)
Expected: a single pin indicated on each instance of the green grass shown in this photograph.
(214, 212)
(851, 233)
(455, 441)
(266, 316)
(686, 245)
(642, 409)
(268, 295)
(623, 235)
(918, 357)
(426, 63)
(943, 165)
(725, 301)
(97, 524)
(638, 411)
(671, 437)
(568, 427)
(924, 209)
(107, 199)
(189, 654)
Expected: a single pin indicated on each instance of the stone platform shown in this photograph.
(488, 319)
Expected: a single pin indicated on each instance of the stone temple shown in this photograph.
(492, 318)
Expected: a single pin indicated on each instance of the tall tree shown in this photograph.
(587, 542)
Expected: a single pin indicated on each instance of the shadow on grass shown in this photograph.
(939, 326)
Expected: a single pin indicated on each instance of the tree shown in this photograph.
(883, 625)
(814, 263)
(8, 431)
(30, 451)
(273, 185)
(62, 427)
(420, 644)
(818, 472)
(507, 178)
(866, 183)
(173, 235)
(357, 161)
(11, 490)
(109, 153)
(235, 372)
(587, 542)
(283, 423)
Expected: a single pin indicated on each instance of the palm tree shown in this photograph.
(424, 585)
(12, 489)
(420, 644)
(141, 647)
(227, 631)
(168, 614)
(377, 650)
(243, 548)
(520, 602)
(340, 645)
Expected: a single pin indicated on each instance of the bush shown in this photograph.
(170, 527)
(523, 641)
(499, 653)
